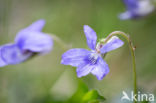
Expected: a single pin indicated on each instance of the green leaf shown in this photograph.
(94, 101)
(145, 102)
(83, 95)
(92, 97)
(78, 95)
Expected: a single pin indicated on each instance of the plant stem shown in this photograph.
(59, 41)
(132, 49)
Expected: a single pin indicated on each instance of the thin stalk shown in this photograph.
(60, 42)
(132, 49)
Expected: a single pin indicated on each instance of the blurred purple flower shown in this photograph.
(28, 42)
(91, 61)
(136, 9)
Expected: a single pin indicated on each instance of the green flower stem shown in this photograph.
(60, 42)
(132, 49)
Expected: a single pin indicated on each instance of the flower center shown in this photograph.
(93, 57)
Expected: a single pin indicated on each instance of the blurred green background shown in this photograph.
(44, 80)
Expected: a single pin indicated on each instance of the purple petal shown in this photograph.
(101, 69)
(137, 9)
(36, 26)
(2, 62)
(132, 7)
(74, 57)
(91, 37)
(131, 4)
(84, 69)
(35, 42)
(126, 15)
(112, 44)
(145, 7)
(11, 54)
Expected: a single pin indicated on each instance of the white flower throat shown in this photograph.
(93, 57)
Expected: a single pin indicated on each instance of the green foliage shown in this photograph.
(84, 95)
(78, 95)
(145, 102)
(92, 97)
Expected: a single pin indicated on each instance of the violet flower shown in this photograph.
(28, 42)
(137, 9)
(91, 61)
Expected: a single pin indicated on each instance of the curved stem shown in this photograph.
(59, 41)
(132, 49)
